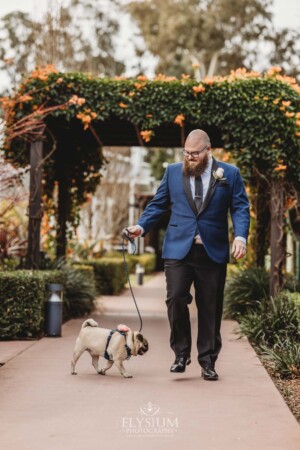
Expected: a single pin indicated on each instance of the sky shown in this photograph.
(286, 15)
(286, 12)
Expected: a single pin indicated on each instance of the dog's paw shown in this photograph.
(127, 375)
(101, 372)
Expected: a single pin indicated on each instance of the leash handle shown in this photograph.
(127, 235)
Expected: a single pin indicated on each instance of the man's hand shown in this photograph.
(238, 249)
(135, 231)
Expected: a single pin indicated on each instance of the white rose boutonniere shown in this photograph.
(218, 175)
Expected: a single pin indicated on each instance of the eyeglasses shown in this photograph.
(193, 154)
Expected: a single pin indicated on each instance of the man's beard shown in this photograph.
(195, 170)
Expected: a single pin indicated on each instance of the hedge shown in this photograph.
(80, 291)
(110, 276)
(22, 297)
(147, 260)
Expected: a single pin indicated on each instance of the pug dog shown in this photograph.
(120, 347)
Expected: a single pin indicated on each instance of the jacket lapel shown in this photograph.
(211, 188)
(188, 192)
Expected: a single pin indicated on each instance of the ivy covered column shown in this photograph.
(262, 227)
(277, 235)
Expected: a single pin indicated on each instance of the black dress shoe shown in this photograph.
(180, 363)
(209, 373)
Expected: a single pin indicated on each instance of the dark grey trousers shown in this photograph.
(209, 280)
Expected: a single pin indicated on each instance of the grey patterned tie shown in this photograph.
(198, 199)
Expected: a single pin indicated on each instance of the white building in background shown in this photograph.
(115, 203)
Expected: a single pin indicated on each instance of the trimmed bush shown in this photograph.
(147, 260)
(80, 290)
(244, 291)
(110, 276)
(22, 302)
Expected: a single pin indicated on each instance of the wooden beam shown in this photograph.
(35, 206)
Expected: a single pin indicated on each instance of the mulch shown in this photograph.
(288, 388)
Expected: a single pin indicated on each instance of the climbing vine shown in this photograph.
(257, 115)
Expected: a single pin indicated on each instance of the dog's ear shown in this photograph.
(122, 327)
(140, 337)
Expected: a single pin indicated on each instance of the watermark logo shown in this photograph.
(149, 420)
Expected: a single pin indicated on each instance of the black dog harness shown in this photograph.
(106, 354)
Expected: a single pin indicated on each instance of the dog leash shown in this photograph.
(126, 235)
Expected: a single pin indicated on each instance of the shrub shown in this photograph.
(244, 291)
(110, 276)
(9, 264)
(275, 320)
(147, 260)
(131, 261)
(79, 286)
(80, 290)
(286, 358)
(290, 283)
(232, 269)
(22, 297)
(295, 297)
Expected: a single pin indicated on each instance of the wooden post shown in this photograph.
(35, 206)
(62, 214)
(297, 260)
(277, 236)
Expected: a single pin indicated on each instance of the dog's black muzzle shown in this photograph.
(144, 348)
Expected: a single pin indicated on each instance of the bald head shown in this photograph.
(196, 139)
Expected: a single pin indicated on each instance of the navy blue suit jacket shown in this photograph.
(212, 220)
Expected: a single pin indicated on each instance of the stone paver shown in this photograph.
(43, 407)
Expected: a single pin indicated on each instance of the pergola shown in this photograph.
(255, 117)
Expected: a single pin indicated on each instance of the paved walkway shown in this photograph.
(43, 407)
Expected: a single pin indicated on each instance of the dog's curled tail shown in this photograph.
(89, 323)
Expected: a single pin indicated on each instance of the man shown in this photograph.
(200, 191)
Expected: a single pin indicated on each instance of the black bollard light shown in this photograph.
(54, 309)
(139, 270)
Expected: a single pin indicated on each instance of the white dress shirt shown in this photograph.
(205, 180)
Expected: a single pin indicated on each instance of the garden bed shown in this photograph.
(288, 388)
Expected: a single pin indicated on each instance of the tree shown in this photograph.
(61, 39)
(285, 50)
(13, 196)
(214, 35)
